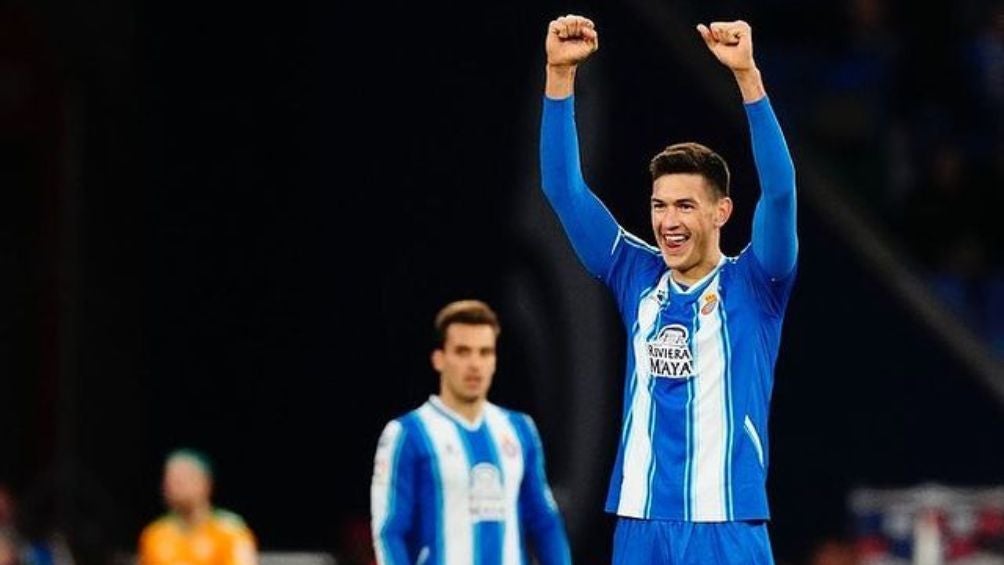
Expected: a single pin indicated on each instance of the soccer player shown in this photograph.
(688, 484)
(193, 532)
(459, 480)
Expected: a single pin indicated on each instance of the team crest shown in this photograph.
(710, 301)
(669, 353)
(509, 447)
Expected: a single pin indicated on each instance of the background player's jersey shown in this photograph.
(446, 491)
(223, 539)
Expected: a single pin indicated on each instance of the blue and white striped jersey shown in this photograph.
(700, 371)
(446, 491)
(700, 360)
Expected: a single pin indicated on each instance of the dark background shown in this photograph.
(230, 227)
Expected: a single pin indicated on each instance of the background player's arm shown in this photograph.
(392, 495)
(588, 224)
(537, 509)
(147, 553)
(244, 550)
(775, 240)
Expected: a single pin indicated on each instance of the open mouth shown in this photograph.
(675, 241)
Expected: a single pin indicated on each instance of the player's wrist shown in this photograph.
(562, 70)
(750, 84)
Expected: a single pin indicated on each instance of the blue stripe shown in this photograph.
(727, 350)
(437, 483)
(476, 559)
(390, 491)
(688, 465)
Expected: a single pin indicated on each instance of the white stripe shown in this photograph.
(510, 454)
(384, 467)
(754, 437)
(620, 234)
(638, 242)
(638, 444)
(710, 420)
(454, 476)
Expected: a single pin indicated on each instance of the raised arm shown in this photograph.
(775, 239)
(588, 224)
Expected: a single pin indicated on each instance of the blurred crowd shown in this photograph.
(905, 103)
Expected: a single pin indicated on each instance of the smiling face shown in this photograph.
(687, 217)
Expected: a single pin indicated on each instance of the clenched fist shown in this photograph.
(570, 40)
(731, 43)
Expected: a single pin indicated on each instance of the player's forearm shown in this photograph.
(775, 240)
(750, 84)
(391, 549)
(560, 81)
(770, 151)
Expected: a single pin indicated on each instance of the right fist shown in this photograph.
(570, 40)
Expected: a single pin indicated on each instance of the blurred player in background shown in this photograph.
(460, 480)
(193, 532)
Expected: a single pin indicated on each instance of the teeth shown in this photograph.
(676, 238)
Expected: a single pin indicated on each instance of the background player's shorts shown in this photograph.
(668, 542)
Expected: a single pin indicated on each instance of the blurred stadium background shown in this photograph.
(229, 227)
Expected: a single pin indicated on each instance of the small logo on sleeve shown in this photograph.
(669, 353)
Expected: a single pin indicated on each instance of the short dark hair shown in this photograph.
(694, 158)
(472, 312)
(196, 456)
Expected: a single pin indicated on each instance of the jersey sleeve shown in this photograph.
(243, 547)
(148, 541)
(588, 224)
(392, 496)
(775, 240)
(538, 511)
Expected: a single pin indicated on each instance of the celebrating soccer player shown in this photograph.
(688, 484)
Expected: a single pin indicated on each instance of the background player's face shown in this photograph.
(466, 362)
(686, 219)
(186, 485)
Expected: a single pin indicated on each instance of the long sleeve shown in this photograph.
(588, 224)
(392, 496)
(538, 510)
(775, 239)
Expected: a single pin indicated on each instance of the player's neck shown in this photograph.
(196, 515)
(469, 410)
(695, 273)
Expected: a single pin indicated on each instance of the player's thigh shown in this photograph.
(639, 541)
(729, 543)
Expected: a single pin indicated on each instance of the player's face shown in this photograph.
(686, 219)
(466, 362)
(186, 485)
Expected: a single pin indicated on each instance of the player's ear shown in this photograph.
(723, 211)
(437, 359)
